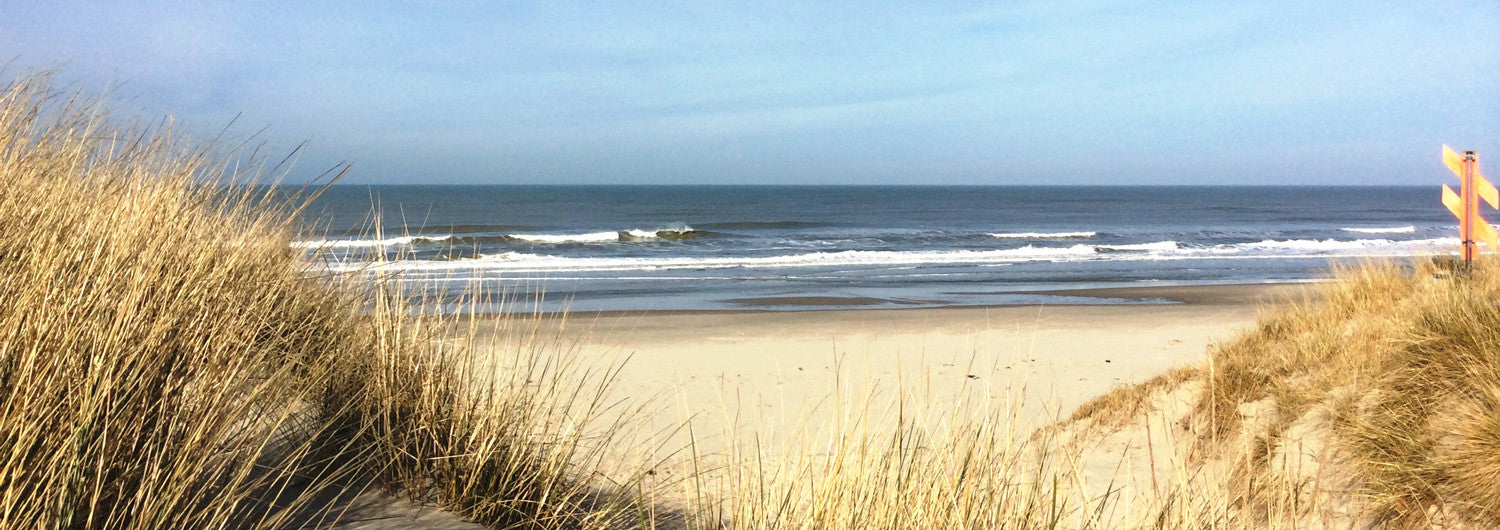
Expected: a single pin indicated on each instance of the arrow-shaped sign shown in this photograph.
(1482, 230)
(1465, 204)
(1482, 186)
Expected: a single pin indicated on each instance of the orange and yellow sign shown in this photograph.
(1465, 204)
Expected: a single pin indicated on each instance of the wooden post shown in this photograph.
(1471, 210)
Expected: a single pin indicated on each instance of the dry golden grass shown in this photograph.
(1120, 406)
(888, 460)
(1414, 359)
(1373, 402)
(167, 361)
(505, 440)
(158, 344)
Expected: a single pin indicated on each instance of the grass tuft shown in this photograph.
(1406, 358)
(168, 361)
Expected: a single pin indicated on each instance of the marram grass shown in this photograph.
(158, 344)
(1374, 402)
(167, 361)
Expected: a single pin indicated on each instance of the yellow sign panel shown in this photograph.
(1482, 186)
(1465, 203)
(1482, 230)
(1486, 233)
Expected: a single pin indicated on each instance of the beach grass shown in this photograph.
(168, 361)
(888, 459)
(1371, 403)
(160, 343)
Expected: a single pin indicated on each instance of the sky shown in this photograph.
(927, 92)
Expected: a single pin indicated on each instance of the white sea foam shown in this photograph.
(1387, 230)
(1331, 248)
(521, 262)
(526, 262)
(635, 234)
(367, 243)
(591, 237)
(1159, 246)
(1042, 235)
(1316, 245)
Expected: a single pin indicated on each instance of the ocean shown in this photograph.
(642, 248)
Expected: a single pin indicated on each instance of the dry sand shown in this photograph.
(781, 372)
(778, 374)
(778, 360)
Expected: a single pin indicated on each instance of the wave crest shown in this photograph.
(540, 262)
(1043, 235)
(669, 234)
(369, 243)
(1315, 245)
(1159, 246)
(527, 262)
(591, 237)
(1385, 230)
(753, 225)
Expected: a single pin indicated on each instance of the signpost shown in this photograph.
(1465, 204)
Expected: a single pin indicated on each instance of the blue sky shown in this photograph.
(823, 93)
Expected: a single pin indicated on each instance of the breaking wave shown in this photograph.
(669, 234)
(591, 237)
(1158, 246)
(1043, 235)
(758, 225)
(1389, 230)
(526, 262)
(370, 243)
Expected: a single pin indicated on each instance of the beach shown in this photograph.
(782, 379)
(780, 374)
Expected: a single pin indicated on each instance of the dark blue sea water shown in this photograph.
(709, 247)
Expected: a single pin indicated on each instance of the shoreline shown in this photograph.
(1217, 294)
(1152, 295)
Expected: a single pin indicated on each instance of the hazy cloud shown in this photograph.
(830, 92)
